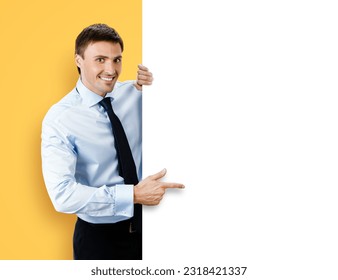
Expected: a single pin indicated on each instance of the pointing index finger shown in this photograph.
(173, 186)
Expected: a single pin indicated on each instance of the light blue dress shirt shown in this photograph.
(79, 160)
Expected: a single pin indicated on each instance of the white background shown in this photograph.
(243, 111)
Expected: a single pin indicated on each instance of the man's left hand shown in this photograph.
(144, 77)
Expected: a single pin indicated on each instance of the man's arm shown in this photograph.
(59, 158)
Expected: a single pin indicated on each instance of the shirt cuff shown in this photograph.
(124, 200)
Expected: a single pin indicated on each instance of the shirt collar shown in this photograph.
(89, 98)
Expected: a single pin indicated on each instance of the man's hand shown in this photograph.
(144, 77)
(150, 191)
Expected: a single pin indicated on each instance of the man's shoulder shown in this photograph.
(124, 85)
(58, 110)
(125, 89)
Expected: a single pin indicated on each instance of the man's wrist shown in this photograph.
(135, 195)
(138, 86)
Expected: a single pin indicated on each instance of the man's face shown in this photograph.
(100, 66)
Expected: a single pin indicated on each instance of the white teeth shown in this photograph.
(106, 79)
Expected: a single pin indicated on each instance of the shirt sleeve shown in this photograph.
(69, 196)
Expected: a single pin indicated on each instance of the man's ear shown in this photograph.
(78, 60)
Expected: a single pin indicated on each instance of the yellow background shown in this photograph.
(36, 70)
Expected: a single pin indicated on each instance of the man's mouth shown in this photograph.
(108, 79)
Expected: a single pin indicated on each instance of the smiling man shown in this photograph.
(88, 170)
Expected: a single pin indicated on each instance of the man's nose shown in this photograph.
(109, 68)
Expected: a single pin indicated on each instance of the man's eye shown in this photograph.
(118, 60)
(100, 59)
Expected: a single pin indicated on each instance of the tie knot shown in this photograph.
(106, 103)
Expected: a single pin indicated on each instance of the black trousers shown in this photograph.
(106, 241)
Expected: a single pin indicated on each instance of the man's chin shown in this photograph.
(111, 88)
(108, 88)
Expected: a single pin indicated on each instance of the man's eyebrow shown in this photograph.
(104, 56)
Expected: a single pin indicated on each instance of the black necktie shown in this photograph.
(127, 168)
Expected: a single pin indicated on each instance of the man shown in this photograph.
(82, 160)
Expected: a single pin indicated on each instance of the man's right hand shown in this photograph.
(150, 191)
